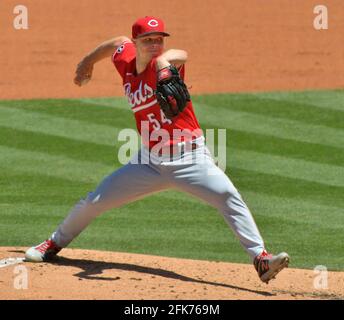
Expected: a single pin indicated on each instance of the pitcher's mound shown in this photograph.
(90, 274)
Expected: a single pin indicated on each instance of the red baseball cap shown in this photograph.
(148, 25)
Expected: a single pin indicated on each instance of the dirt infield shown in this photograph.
(87, 274)
(263, 45)
(260, 46)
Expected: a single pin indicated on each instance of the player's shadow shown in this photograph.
(91, 269)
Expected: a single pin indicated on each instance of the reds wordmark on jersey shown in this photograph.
(139, 89)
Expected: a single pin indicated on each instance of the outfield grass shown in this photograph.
(285, 153)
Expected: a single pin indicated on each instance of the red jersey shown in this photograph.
(139, 89)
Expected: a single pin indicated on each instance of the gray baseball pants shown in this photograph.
(193, 172)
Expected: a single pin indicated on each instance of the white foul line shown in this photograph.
(10, 261)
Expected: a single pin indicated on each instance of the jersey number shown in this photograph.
(155, 123)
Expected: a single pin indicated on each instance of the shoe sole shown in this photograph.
(32, 255)
(272, 274)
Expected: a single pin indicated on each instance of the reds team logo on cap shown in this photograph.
(148, 25)
(153, 23)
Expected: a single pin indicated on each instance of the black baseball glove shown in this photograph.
(171, 92)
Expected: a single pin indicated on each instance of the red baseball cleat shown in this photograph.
(268, 265)
(45, 251)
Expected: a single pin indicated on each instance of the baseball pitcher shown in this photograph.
(153, 82)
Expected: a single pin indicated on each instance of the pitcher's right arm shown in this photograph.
(84, 68)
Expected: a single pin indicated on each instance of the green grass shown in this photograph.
(285, 154)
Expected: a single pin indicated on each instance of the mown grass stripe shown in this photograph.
(279, 109)
(280, 128)
(327, 100)
(238, 139)
(54, 166)
(113, 103)
(275, 185)
(307, 245)
(74, 109)
(61, 127)
(287, 167)
(294, 209)
(27, 188)
(54, 145)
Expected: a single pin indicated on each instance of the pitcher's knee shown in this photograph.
(230, 200)
(94, 203)
(93, 198)
(236, 204)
